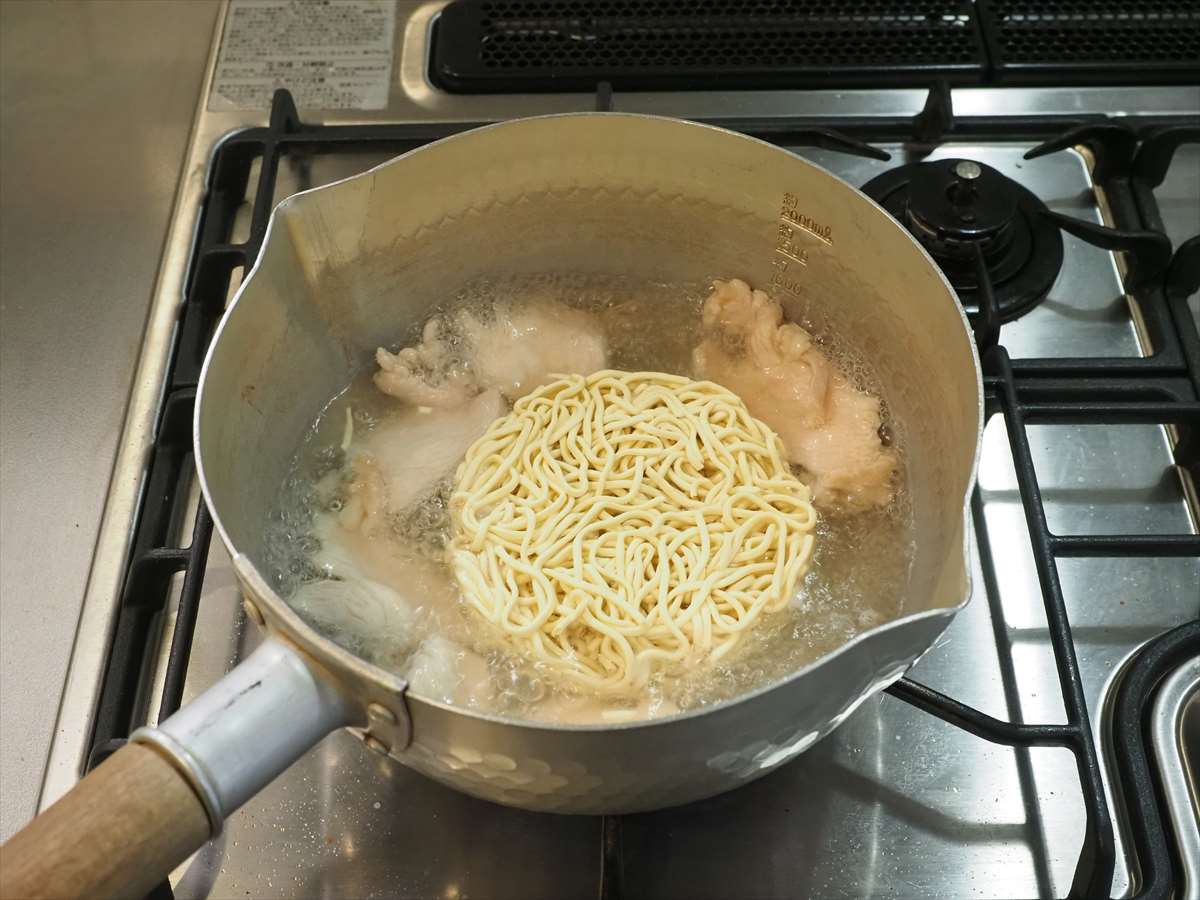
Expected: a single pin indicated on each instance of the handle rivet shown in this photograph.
(377, 712)
(376, 744)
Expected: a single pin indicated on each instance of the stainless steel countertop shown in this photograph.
(96, 103)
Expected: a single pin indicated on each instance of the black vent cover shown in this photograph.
(503, 46)
(1092, 41)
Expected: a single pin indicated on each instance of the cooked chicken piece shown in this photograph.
(366, 502)
(516, 351)
(522, 348)
(426, 374)
(405, 456)
(829, 427)
(369, 617)
(387, 604)
(853, 470)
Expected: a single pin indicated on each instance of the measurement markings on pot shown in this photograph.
(793, 226)
(789, 213)
(786, 244)
(780, 280)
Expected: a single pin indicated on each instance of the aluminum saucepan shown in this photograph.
(349, 267)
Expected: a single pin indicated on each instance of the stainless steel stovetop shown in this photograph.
(896, 803)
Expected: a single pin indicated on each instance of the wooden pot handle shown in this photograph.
(118, 833)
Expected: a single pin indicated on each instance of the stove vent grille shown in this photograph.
(1086, 41)
(500, 46)
(509, 46)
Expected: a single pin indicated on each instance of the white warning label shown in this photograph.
(331, 54)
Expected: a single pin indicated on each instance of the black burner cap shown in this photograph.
(961, 199)
(953, 206)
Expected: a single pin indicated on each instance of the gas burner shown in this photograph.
(953, 206)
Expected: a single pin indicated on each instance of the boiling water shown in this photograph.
(392, 599)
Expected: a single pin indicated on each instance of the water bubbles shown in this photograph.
(528, 689)
(324, 460)
(857, 581)
(307, 544)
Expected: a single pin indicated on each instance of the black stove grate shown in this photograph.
(1163, 388)
(502, 46)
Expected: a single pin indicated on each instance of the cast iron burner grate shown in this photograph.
(957, 206)
(1163, 388)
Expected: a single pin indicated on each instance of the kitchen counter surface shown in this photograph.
(96, 103)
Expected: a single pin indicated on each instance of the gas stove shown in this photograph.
(1012, 761)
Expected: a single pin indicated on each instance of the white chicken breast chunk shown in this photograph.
(369, 617)
(514, 350)
(401, 460)
(523, 348)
